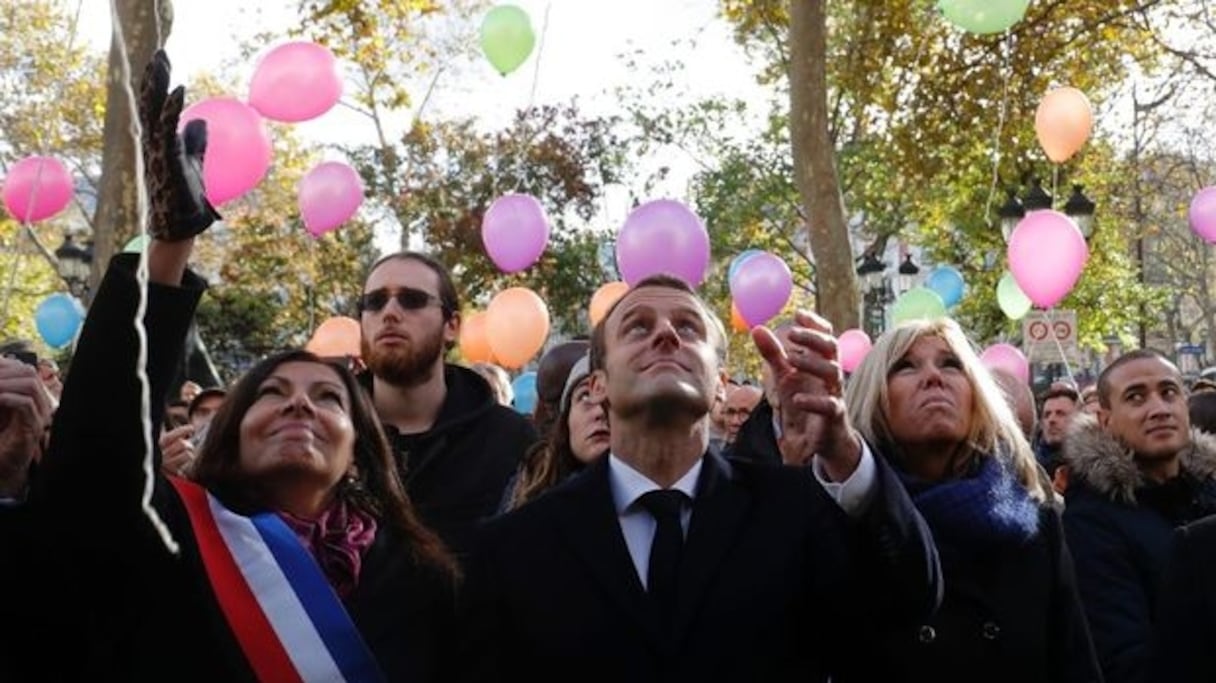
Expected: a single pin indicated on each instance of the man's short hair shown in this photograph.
(713, 322)
(1133, 355)
(1060, 391)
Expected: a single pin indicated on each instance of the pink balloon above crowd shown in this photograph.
(1202, 214)
(852, 347)
(515, 231)
(238, 147)
(328, 196)
(37, 188)
(760, 287)
(1008, 358)
(294, 82)
(663, 236)
(1047, 253)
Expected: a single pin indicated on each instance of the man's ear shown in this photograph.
(720, 388)
(1103, 417)
(597, 387)
(451, 328)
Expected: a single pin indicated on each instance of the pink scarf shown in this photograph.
(337, 540)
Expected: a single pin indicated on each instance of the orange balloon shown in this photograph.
(602, 300)
(736, 319)
(474, 340)
(517, 323)
(336, 337)
(1063, 123)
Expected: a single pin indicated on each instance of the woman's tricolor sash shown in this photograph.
(287, 619)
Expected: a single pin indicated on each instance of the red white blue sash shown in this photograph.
(289, 622)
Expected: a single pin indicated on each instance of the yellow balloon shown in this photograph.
(474, 339)
(1063, 123)
(336, 337)
(517, 323)
(602, 300)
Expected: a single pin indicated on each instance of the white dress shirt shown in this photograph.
(638, 526)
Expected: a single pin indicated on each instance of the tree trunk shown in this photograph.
(116, 217)
(815, 165)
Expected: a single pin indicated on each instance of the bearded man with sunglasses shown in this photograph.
(457, 447)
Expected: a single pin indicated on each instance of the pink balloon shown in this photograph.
(1202, 214)
(1047, 253)
(1008, 358)
(852, 347)
(761, 287)
(328, 196)
(238, 147)
(296, 81)
(515, 231)
(37, 188)
(663, 236)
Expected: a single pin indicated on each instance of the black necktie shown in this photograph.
(665, 506)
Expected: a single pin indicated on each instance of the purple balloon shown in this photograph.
(761, 287)
(515, 231)
(1047, 253)
(328, 196)
(663, 236)
(1202, 214)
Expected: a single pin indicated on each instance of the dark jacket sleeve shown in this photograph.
(95, 463)
(896, 553)
(1116, 604)
(1071, 649)
(1184, 631)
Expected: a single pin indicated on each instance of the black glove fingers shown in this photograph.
(172, 113)
(195, 139)
(153, 87)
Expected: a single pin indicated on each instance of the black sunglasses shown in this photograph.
(408, 298)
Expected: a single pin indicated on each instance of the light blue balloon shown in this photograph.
(948, 283)
(524, 387)
(58, 319)
(738, 261)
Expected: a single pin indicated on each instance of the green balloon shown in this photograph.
(136, 245)
(507, 38)
(1012, 300)
(984, 16)
(920, 303)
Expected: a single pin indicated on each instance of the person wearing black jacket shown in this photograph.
(1136, 474)
(1185, 630)
(457, 448)
(664, 561)
(924, 401)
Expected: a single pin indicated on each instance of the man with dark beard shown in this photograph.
(457, 447)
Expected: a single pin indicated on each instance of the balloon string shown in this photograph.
(1059, 347)
(540, 51)
(141, 333)
(1002, 112)
(1055, 182)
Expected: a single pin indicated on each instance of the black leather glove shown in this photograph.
(173, 163)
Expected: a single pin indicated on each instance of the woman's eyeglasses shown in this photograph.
(407, 298)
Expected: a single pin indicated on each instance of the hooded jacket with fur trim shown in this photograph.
(1118, 525)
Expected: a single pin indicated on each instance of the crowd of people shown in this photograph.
(923, 518)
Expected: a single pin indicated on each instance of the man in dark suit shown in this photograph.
(664, 561)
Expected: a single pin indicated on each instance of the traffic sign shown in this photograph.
(1051, 337)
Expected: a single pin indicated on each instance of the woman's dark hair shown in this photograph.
(379, 493)
(548, 462)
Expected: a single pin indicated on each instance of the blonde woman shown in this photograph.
(924, 401)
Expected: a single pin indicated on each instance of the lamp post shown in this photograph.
(1078, 207)
(877, 295)
(74, 264)
(907, 274)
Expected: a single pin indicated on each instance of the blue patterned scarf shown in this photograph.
(985, 509)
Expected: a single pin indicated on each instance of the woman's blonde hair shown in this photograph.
(994, 429)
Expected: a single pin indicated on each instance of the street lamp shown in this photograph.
(877, 295)
(907, 272)
(74, 265)
(1078, 207)
(1081, 209)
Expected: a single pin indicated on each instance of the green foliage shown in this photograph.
(452, 173)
